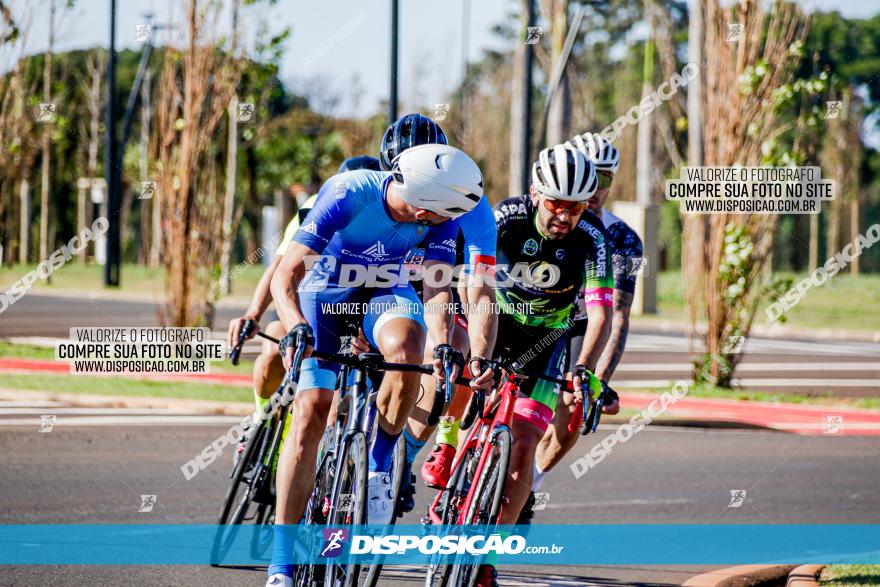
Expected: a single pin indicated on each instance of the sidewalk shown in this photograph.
(795, 418)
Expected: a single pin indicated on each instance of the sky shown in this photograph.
(341, 47)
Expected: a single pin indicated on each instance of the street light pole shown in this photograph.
(111, 164)
(392, 91)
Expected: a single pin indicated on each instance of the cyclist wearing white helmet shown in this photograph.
(626, 253)
(376, 220)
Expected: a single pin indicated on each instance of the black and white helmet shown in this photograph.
(564, 173)
(597, 149)
(438, 178)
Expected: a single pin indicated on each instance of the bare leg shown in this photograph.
(557, 440)
(519, 478)
(298, 456)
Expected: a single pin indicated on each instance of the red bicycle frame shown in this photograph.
(481, 434)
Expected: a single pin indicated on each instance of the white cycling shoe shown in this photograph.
(279, 580)
(380, 505)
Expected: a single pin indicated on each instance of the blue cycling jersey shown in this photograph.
(351, 223)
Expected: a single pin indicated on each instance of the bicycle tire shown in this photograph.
(485, 505)
(370, 573)
(456, 489)
(311, 575)
(249, 456)
(351, 478)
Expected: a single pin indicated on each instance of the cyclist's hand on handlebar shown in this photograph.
(481, 373)
(301, 334)
(580, 378)
(359, 343)
(236, 325)
(454, 355)
(612, 401)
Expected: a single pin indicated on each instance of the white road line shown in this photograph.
(126, 421)
(751, 367)
(59, 411)
(758, 382)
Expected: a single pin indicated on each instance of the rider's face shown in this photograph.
(429, 218)
(554, 221)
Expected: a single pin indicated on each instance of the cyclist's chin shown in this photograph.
(558, 230)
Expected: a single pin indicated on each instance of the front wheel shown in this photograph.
(348, 502)
(486, 498)
(239, 495)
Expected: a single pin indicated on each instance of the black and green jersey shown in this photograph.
(539, 279)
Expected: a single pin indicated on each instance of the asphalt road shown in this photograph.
(96, 472)
(839, 368)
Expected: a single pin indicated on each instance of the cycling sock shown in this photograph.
(282, 551)
(413, 446)
(382, 454)
(539, 477)
(447, 431)
(261, 402)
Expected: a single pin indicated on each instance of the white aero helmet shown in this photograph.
(564, 173)
(597, 149)
(438, 178)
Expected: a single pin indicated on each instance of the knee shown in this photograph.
(403, 345)
(311, 409)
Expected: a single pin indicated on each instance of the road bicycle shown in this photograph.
(475, 491)
(339, 496)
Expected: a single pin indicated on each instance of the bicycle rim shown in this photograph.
(487, 497)
(369, 575)
(228, 525)
(350, 480)
(450, 503)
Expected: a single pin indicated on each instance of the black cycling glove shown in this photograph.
(301, 333)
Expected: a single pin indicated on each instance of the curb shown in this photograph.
(805, 576)
(743, 576)
(195, 406)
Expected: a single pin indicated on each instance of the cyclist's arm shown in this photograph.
(285, 283)
(439, 314)
(619, 330)
(481, 240)
(598, 298)
(627, 246)
(262, 295)
(328, 216)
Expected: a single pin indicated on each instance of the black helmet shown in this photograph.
(410, 130)
(362, 162)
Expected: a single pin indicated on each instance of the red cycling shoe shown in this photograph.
(438, 466)
(487, 576)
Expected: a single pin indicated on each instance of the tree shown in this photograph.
(726, 256)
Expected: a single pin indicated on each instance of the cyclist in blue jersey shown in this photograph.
(475, 236)
(376, 220)
(268, 369)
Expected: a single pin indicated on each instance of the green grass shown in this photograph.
(134, 278)
(127, 387)
(26, 351)
(842, 302)
(711, 391)
(850, 576)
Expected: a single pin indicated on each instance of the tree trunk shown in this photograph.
(24, 235)
(559, 116)
(644, 161)
(229, 199)
(813, 261)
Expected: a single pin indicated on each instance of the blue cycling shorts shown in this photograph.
(330, 311)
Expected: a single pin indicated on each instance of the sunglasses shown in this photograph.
(558, 206)
(605, 180)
